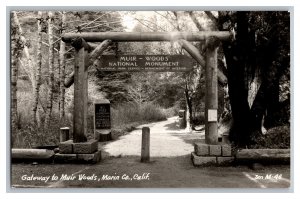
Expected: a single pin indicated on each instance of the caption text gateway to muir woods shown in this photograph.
(84, 177)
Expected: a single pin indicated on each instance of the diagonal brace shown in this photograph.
(92, 57)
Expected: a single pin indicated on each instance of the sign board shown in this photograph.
(102, 116)
(150, 63)
(212, 115)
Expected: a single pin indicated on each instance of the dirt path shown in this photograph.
(170, 167)
(166, 140)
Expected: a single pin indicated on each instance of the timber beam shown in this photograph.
(194, 52)
(98, 50)
(147, 36)
(79, 43)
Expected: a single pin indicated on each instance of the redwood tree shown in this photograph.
(262, 42)
(38, 68)
(62, 66)
(17, 47)
(51, 71)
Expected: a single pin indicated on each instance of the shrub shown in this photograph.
(172, 111)
(132, 112)
(199, 118)
(30, 135)
(276, 138)
(151, 113)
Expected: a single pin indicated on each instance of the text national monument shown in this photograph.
(150, 63)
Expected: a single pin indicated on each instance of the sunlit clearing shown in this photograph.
(128, 22)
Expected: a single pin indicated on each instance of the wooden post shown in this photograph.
(182, 119)
(145, 155)
(211, 93)
(80, 91)
(64, 134)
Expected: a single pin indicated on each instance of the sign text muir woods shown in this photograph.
(151, 63)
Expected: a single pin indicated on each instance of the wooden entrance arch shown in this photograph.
(85, 52)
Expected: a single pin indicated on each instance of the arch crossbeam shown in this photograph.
(147, 36)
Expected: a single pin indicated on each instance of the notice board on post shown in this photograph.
(102, 119)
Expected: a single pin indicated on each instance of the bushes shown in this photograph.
(132, 112)
(171, 112)
(276, 138)
(30, 136)
(124, 119)
(199, 118)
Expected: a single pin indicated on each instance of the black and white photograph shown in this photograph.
(150, 99)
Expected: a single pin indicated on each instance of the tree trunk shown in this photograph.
(17, 46)
(31, 154)
(62, 69)
(189, 125)
(29, 64)
(38, 70)
(21, 44)
(271, 156)
(265, 108)
(51, 71)
(236, 57)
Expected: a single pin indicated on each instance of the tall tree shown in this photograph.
(17, 46)
(238, 88)
(262, 43)
(62, 66)
(51, 70)
(38, 68)
(29, 64)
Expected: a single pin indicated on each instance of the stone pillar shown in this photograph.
(211, 94)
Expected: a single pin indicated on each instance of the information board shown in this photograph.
(102, 116)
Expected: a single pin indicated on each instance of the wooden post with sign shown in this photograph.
(211, 93)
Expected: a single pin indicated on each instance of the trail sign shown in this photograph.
(150, 63)
(102, 115)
